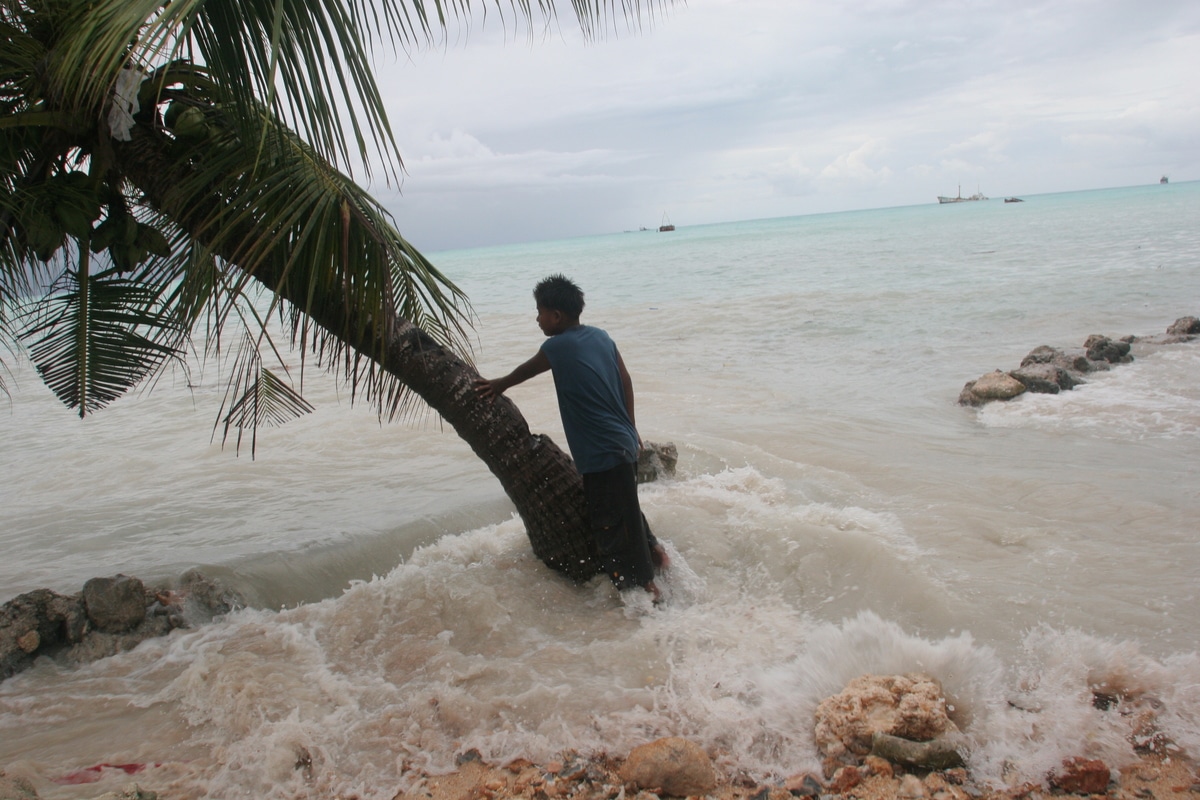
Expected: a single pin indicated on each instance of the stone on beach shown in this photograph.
(116, 604)
(1184, 327)
(1045, 378)
(1082, 776)
(941, 752)
(845, 779)
(906, 707)
(674, 766)
(910, 787)
(38, 621)
(1102, 348)
(804, 785)
(656, 461)
(1076, 362)
(995, 385)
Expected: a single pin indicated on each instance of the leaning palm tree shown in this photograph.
(162, 159)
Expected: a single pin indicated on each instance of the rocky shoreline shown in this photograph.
(1049, 370)
(113, 614)
(884, 737)
(573, 777)
(601, 778)
(108, 616)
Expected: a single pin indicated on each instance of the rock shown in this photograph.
(1082, 776)
(1147, 736)
(130, 792)
(656, 461)
(957, 776)
(1102, 348)
(16, 788)
(37, 623)
(845, 779)
(1049, 370)
(943, 752)
(992, 386)
(804, 785)
(116, 604)
(771, 793)
(98, 644)
(206, 598)
(1044, 378)
(907, 706)
(934, 783)
(911, 786)
(109, 616)
(1184, 326)
(877, 765)
(673, 766)
(1044, 354)
(967, 398)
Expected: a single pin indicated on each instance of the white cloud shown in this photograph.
(854, 166)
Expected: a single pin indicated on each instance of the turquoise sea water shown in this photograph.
(835, 512)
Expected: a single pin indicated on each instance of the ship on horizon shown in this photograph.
(960, 199)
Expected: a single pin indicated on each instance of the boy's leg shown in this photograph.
(658, 554)
(618, 526)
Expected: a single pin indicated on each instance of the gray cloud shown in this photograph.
(728, 110)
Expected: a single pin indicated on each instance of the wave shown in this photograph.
(775, 602)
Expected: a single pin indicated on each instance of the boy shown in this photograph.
(595, 399)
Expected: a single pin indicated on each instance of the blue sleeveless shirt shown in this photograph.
(591, 399)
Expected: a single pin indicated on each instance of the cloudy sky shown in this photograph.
(722, 110)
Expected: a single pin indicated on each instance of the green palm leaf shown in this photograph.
(96, 337)
(258, 397)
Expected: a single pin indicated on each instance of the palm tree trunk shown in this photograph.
(537, 476)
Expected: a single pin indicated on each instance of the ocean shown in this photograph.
(835, 512)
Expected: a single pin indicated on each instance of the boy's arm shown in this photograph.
(534, 366)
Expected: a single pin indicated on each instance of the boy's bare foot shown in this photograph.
(658, 555)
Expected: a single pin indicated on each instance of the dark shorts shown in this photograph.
(618, 526)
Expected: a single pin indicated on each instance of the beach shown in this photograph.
(835, 513)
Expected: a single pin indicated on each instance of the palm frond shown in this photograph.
(8, 343)
(95, 337)
(257, 397)
(287, 212)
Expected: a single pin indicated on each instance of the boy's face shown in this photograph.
(550, 321)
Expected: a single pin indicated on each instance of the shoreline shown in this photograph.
(572, 776)
(1153, 775)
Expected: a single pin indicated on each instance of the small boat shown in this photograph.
(666, 224)
(960, 199)
(1013, 200)
(1163, 179)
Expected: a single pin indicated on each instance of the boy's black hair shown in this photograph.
(559, 293)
